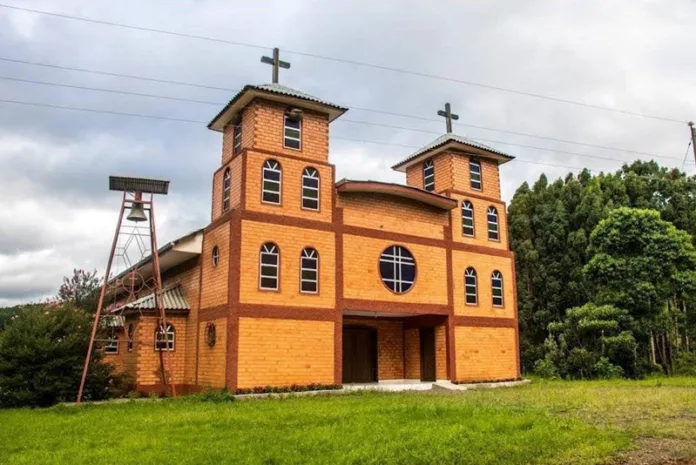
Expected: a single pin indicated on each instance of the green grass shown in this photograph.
(546, 422)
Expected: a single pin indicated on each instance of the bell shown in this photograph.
(137, 213)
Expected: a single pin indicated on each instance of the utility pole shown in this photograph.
(693, 137)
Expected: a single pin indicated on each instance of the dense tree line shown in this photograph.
(606, 290)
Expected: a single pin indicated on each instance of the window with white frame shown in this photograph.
(475, 174)
(111, 346)
(237, 142)
(293, 133)
(272, 180)
(164, 339)
(470, 289)
(467, 218)
(497, 288)
(493, 234)
(310, 189)
(397, 267)
(216, 256)
(269, 266)
(309, 271)
(226, 186)
(429, 176)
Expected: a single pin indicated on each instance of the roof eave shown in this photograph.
(249, 93)
(398, 190)
(460, 147)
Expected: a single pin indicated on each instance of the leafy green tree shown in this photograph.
(81, 290)
(42, 353)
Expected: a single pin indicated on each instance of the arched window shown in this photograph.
(269, 266)
(226, 185)
(497, 288)
(397, 267)
(309, 271)
(467, 218)
(216, 256)
(131, 333)
(470, 289)
(310, 189)
(164, 340)
(493, 224)
(475, 175)
(429, 176)
(111, 346)
(272, 178)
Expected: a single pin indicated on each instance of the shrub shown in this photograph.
(545, 368)
(685, 364)
(216, 396)
(42, 352)
(604, 369)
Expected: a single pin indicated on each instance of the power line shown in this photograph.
(342, 120)
(351, 62)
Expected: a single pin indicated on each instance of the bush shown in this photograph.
(604, 369)
(216, 396)
(545, 368)
(685, 364)
(42, 352)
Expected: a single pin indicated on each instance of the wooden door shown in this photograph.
(427, 354)
(359, 355)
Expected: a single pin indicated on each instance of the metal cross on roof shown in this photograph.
(449, 116)
(276, 62)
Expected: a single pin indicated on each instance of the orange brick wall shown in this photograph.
(390, 346)
(248, 119)
(212, 360)
(443, 173)
(484, 266)
(190, 282)
(277, 352)
(269, 132)
(290, 240)
(480, 223)
(412, 354)
(215, 279)
(361, 272)
(489, 174)
(485, 354)
(388, 213)
(291, 187)
(148, 357)
(441, 352)
(235, 166)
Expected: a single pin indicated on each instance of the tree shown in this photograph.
(81, 290)
(645, 265)
(42, 353)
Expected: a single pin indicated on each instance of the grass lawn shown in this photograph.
(545, 422)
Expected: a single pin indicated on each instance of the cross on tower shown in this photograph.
(449, 116)
(276, 62)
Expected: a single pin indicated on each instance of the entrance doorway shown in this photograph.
(427, 354)
(359, 354)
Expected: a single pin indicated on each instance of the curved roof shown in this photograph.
(453, 141)
(397, 190)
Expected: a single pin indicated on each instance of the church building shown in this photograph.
(300, 278)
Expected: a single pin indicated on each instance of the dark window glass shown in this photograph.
(397, 268)
(164, 340)
(493, 224)
(467, 218)
(470, 288)
(497, 288)
(237, 138)
(309, 270)
(310, 189)
(271, 182)
(269, 266)
(429, 176)
(475, 174)
(293, 133)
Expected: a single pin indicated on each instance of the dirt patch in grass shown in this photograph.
(651, 451)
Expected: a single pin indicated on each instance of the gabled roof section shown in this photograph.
(172, 297)
(397, 190)
(275, 92)
(453, 142)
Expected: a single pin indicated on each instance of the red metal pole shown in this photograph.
(158, 299)
(101, 300)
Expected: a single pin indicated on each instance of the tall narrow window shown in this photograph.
(470, 290)
(269, 266)
(131, 333)
(475, 174)
(493, 224)
(310, 189)
(164, 339)
(237, 143)
(293, 133)
(272, 180)
(309, 271)
(397, 267)
(497, 288)
(226, 185)
(216, 256)
(467, 218)
(429, 176)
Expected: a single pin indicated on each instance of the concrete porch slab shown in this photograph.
(393, 385)
(449, 386)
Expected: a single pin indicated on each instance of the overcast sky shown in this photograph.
(57, 213)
